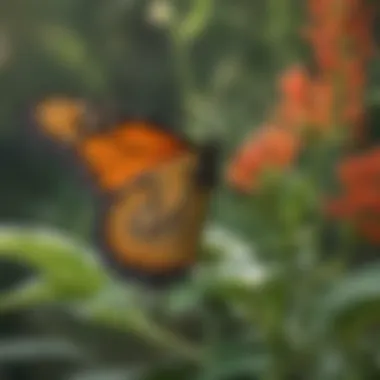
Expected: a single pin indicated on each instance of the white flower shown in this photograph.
(238, 261)
(160, 12)
(226, 243)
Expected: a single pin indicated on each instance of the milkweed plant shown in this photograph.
(302, 301)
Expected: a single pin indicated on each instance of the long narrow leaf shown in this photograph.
(67, 267)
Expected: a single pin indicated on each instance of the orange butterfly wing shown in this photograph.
(153, 220)
(112, 156)
(60, 118)
(118, 156)
(153, 225)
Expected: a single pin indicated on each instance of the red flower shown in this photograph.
(271, 146)
(294, 84)
(360, 203)
(295, 88)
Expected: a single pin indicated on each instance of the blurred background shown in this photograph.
(208, 68)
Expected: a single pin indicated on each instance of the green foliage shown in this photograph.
(352, 304)
(64, 271)
(22, 350)
(343, 313)
(269, 303)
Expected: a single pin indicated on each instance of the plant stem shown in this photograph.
(165, 338)
(140, 324)
(182, 34)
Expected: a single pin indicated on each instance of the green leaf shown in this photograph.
(352, 304)
(33, 349)
(120, 308)
(232, 362)
(69, 48)
(184, 300)
(67, 270)
(107, 374)
(26, 295)
(196, 21)
(170, 370)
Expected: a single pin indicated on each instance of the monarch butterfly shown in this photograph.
(157, 186)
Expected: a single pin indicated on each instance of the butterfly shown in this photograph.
(155, 185)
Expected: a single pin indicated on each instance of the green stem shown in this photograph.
(165, 338)
(184, 75)
(27, 295)
(278, 29)
(137, 322)
(183, 33)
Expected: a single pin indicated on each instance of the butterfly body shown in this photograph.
(155, 189)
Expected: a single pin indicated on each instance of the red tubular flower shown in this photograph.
(294, 87)
(339, 32)
(271, 146)
(360, 203)
(321, 111)
(294, 84)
